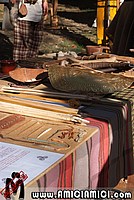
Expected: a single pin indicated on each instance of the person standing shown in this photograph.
(28, 30)
(121, 30)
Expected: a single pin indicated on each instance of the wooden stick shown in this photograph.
(111, 59)
(44, 132)
(37, 141)
(39, 113)
(44, 93)
(125, 58)
(33, 112)
(38, 104)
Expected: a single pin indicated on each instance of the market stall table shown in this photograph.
(95, 140)
(100, 159)
(58, 137)
(106, 157)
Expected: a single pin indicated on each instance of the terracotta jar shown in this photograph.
(96, 49)
(7, 66)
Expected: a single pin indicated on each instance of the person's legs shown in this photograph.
(35, 38)
(21, 40)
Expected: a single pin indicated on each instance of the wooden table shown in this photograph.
(15, 126)
(99, 159)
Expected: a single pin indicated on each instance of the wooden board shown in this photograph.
(56, 137)
(43, 134)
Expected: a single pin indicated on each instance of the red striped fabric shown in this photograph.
(106, 157)
(103, 151)
(66, 173)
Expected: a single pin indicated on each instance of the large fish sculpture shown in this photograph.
(83, 81)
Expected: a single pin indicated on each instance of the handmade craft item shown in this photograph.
(7, 66)
(10, 121)
(22, 9)
(28, 75)
(84, 81)
(43, 134)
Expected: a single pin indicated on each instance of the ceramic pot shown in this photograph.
(7, 66)
(96, 49)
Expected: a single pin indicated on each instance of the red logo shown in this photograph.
(12, 185)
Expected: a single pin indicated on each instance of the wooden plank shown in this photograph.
(100, 19)
(114, 5)
(61, 137)
(125, 59)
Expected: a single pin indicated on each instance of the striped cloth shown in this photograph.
(117, 114)
(105, 158)
(27, 39)
(127, 95)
